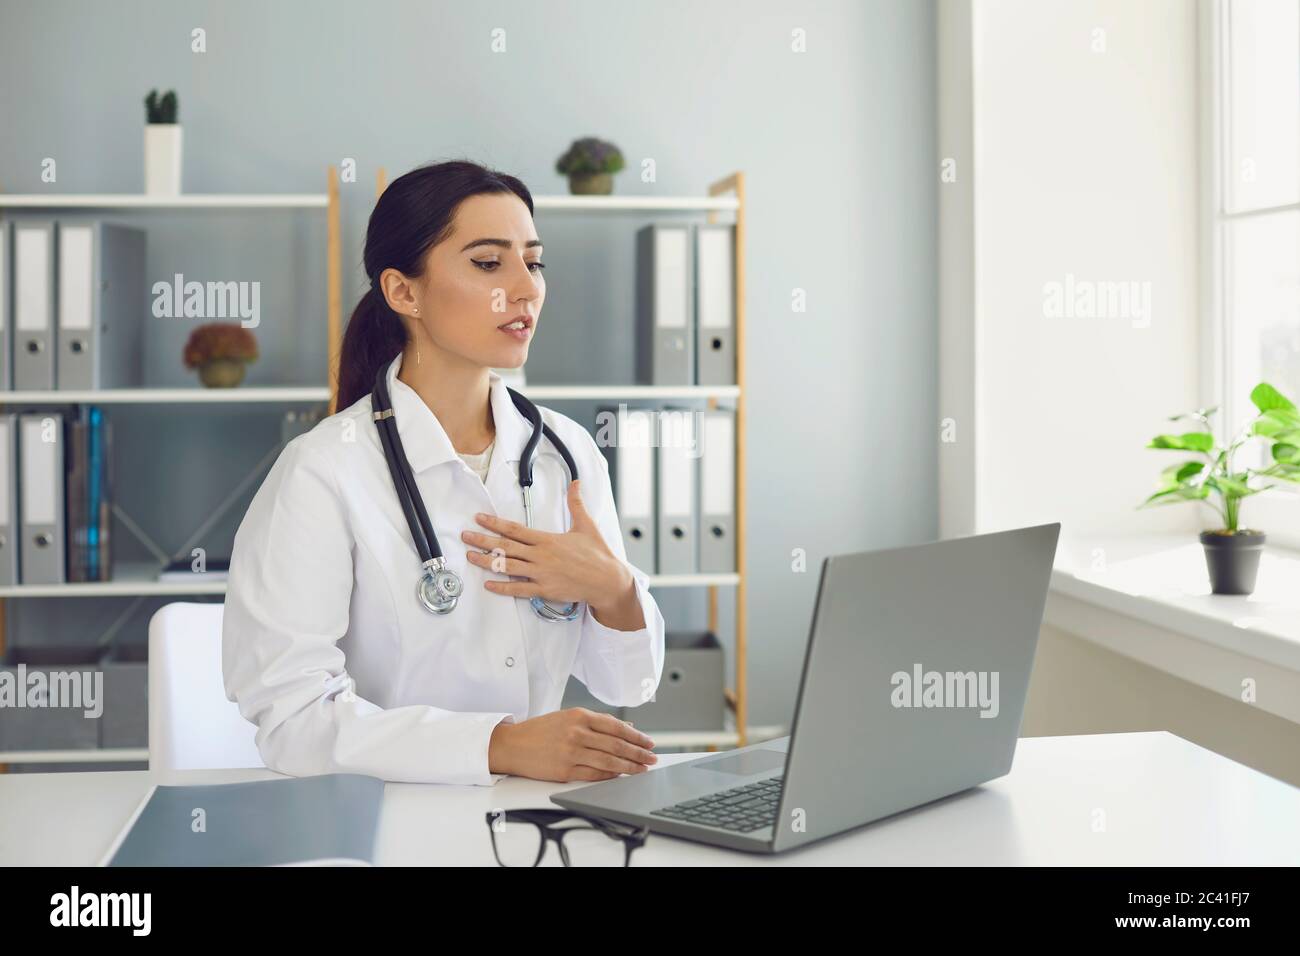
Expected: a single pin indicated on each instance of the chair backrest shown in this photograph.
(192, 726)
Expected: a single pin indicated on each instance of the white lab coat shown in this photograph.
(328, 650)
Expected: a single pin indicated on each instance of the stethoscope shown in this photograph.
(439, 587)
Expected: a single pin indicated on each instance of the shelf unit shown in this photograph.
(101, 755)
(141, 201)
(253, 395)
(312, 393)
(136, 580)
(725, 196)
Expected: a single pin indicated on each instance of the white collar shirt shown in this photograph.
(326, 647)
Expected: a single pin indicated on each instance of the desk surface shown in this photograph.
(1138, 799)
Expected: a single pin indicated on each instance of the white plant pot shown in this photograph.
(162, 159)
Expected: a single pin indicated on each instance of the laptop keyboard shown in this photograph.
(743, 809)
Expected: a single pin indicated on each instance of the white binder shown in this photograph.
(33, 335)
(101, 303)
(718, 491)
(627, 440)
(677, 514)
(8, 499)
(40, 497)
(6, 306)
(715, 304)
(665, 341)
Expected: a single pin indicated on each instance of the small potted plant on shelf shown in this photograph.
(1231, 552)
(590, 164)
(220, 351)
(162, 145)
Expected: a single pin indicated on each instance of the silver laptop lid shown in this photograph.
(915, 676)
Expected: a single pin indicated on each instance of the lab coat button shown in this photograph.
(510, 662)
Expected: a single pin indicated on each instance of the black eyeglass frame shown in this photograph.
(544, 819)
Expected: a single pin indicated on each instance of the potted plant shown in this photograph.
(590, 164)
(220, 351)
(162, 145)
(1231, 552)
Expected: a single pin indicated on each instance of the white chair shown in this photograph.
(192, 726)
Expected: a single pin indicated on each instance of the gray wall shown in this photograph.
(837, 144)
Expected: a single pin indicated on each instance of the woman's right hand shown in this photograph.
(568, 745)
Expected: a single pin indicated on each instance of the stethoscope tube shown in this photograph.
(530, 412)
(439, 587)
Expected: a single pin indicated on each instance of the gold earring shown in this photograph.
(417, 356)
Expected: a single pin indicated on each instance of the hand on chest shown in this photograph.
(453, 495)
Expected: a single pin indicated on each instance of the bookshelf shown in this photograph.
(726, 195)
(138, 580)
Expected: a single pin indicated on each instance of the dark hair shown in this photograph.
(414, 213)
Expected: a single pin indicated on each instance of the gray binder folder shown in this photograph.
(6, 304)
(101, 305)
(33, 325)
(715, 304)
(665, 343)
(677, 507)
(627, 440)
(40, 498)
(9, 499)
(330, 818)
(717, 491)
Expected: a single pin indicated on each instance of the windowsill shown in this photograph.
(1149, 598)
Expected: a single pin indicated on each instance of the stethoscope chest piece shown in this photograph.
(439, 589)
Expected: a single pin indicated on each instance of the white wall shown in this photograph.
(1083, 162)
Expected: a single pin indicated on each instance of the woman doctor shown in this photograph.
(328, 646)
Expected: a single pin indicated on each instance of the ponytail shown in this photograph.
(374, 336)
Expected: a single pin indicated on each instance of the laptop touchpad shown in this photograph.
(745, 762)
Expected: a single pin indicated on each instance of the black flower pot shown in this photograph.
(1232, 560)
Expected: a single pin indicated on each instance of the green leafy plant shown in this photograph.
(589, 155)
(160, 109)
(1214, 474)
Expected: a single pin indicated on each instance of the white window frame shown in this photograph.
(1276, 512)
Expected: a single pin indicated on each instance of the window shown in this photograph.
(1253, 300)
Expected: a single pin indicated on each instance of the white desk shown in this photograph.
(1165, 802)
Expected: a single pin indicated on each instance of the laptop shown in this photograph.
(913, 689)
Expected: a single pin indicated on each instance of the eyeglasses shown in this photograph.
(519, 838)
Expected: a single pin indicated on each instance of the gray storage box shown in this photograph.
(690, 691)
(126, 699)
(124, 721)
(47, 728)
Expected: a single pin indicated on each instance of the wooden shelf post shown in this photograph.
(735, 183)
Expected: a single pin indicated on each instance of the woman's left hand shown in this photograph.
(576, 565)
